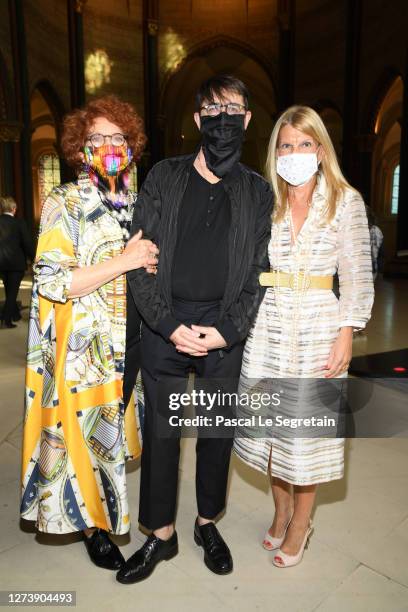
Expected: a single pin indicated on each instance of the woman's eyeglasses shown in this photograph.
(97, 140)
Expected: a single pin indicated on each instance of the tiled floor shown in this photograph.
(357, 559)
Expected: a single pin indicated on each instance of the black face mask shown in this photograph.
(222, 141)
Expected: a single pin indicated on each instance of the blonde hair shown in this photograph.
(305, 119)
(7, 204)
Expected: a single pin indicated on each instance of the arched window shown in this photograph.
(395, 190)
(49, 174)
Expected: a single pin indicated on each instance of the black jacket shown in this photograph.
(15, 244)
(156, 213)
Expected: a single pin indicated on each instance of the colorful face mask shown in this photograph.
(108, 160)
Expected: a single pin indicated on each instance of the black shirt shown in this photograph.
(200, 266)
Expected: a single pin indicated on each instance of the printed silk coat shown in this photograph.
(77, 434)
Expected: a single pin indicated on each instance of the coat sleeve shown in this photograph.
(143, 285)
(239, 317)
(354, 265)
(55, 258)
(26, 241)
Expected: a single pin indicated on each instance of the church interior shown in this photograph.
(347, 59)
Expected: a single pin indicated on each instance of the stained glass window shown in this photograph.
(49, 174)
(395, 190)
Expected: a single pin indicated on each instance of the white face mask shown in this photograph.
(297, 168)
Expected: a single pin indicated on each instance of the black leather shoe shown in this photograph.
(217, 556)
(102, 551)
(142, 563)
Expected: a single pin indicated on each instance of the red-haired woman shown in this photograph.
(77, 433)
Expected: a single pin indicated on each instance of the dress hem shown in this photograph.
(293, 482)
(61, 533)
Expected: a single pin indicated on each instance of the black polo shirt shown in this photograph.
(200, 265)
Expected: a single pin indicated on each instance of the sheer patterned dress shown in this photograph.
(295, 330)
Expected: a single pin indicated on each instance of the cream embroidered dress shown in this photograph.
(294, 330)
(76, 435)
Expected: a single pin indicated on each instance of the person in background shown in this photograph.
(15, 249)
(376, 240)
(77, 434)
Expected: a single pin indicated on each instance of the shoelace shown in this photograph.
(149, 546)
(213, 539)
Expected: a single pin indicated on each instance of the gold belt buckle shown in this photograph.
(306, 281)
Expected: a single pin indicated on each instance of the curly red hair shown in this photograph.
(76, 126)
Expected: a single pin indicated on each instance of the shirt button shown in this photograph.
(209, 210)
(208, 224)
(211, 198)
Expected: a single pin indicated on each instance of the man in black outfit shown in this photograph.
(210, 216)
(15, 249)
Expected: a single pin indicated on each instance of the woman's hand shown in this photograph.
(140, 253)
(340, 354)
(137, 254)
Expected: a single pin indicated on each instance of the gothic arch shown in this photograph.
(46, 118)
(385, 125)
(219, 54)
(202, 48)
(376, 99)
(333, 120)
(53, 101)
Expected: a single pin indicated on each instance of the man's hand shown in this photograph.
(212, 339)
(188, 341)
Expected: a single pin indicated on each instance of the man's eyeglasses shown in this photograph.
(232, 108)
(97, 140)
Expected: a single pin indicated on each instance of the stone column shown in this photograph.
(402, 220)
(365, 146)
(76, 51)
(351, 92)
(23, 187)
(9, 138)
(151, 81)
(286, 75)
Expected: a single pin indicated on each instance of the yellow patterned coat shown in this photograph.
(77, 434)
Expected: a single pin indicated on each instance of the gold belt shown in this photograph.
(300, 281)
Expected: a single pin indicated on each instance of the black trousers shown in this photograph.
(12, 280)
(132, 355)
(160, 455)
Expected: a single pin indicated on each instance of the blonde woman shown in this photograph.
(302, 330)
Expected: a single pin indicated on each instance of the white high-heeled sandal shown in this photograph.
(281, 559)
(272, 543)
